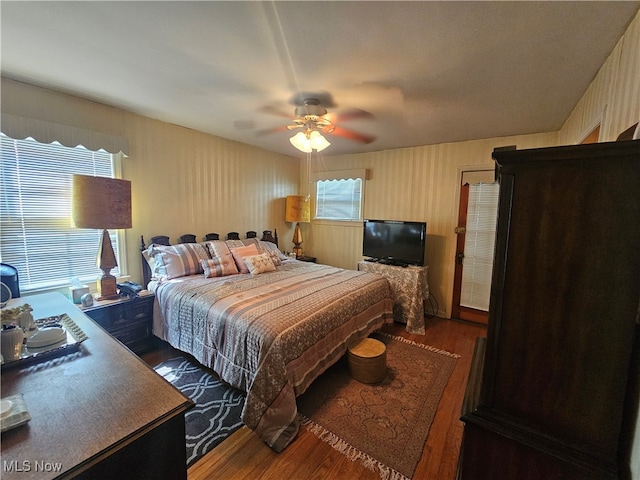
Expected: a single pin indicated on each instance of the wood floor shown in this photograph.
(244, 456)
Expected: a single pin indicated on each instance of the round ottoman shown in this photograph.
(367, 360)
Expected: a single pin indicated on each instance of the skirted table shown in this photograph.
(410, 289)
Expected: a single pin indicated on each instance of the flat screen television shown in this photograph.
(394, 242)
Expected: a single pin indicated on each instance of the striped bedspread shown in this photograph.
(272, 334)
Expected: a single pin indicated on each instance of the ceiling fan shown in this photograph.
(313, 119)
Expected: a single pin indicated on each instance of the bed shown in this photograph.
(267, 324)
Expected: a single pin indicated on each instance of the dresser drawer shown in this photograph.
(128, 320)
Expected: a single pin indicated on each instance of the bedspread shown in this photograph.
(272, 334)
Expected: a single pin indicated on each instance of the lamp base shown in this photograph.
(107, 287)
(297, 240)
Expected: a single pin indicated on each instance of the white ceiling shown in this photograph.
(429, 72)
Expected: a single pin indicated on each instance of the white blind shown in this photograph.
(339, 199)
(479, 244)
(36, 234)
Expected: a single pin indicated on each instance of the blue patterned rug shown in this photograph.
(216, 414)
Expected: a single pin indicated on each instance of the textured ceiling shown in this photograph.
(428, 72)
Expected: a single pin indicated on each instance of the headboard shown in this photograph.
(267, 236)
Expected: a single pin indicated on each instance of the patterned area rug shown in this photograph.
(216, 414)
(383, 425)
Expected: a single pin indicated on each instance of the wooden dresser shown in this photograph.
(98, 413)
(553, 392)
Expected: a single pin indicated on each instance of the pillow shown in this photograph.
(272, 249)
(176, 260)
(241, 252)
(224, 262)
(260, 263)
(217, 267)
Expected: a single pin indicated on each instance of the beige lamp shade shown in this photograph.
(101, 202)
(298, 209)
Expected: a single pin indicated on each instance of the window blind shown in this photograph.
(482, 213)
(339, 199)
(36, 235)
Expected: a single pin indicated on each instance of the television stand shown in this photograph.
(409, 289)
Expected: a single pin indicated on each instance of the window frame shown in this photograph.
(64, 280)
(340, 175)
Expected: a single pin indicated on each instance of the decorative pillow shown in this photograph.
(220, 252)
(259, 263)
(241, 252)
(234, 243)
(176, 260)
(217, 267)
(272, 249)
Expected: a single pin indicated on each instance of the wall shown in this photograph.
(613, 97)
(419, 184)
(183, 181)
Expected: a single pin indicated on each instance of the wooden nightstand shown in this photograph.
(128, 320)
(306, 259)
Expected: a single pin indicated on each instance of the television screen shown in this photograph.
(395, 242)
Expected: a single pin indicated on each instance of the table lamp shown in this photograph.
(103, 203)
(298, 209)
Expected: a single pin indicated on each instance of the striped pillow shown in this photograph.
(219, 267)
(177, 260)
(223, 260)
(274, 252)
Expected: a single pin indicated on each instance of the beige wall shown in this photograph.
(183, 181)
(418, 184)
(613, 98)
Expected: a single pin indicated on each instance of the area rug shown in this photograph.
(216, 414)
(383, 425)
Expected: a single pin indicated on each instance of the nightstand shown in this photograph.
(304, 258)
(129, 320)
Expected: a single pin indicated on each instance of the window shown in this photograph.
(482, 215)
(36, 234)
(339, 199)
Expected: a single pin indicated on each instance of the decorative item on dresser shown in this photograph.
(553, 392)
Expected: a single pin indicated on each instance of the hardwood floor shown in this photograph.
(244, 456)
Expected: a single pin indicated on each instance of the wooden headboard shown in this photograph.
(267, 236)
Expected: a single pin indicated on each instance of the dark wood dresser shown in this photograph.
(97, 413)
(553, 392)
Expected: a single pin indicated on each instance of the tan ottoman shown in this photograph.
(367, 360)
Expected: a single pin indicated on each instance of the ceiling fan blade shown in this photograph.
(351, 135)
(351, 114)
(268, 131)
(271, 110)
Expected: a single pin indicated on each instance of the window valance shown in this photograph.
(20, 128)
(339, 175)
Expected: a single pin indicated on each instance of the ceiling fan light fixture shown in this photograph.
(317, 141)
(301, 142)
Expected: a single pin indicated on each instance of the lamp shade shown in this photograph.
(317, 141)
(298, 209)
(301, 142)
(101, 202)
